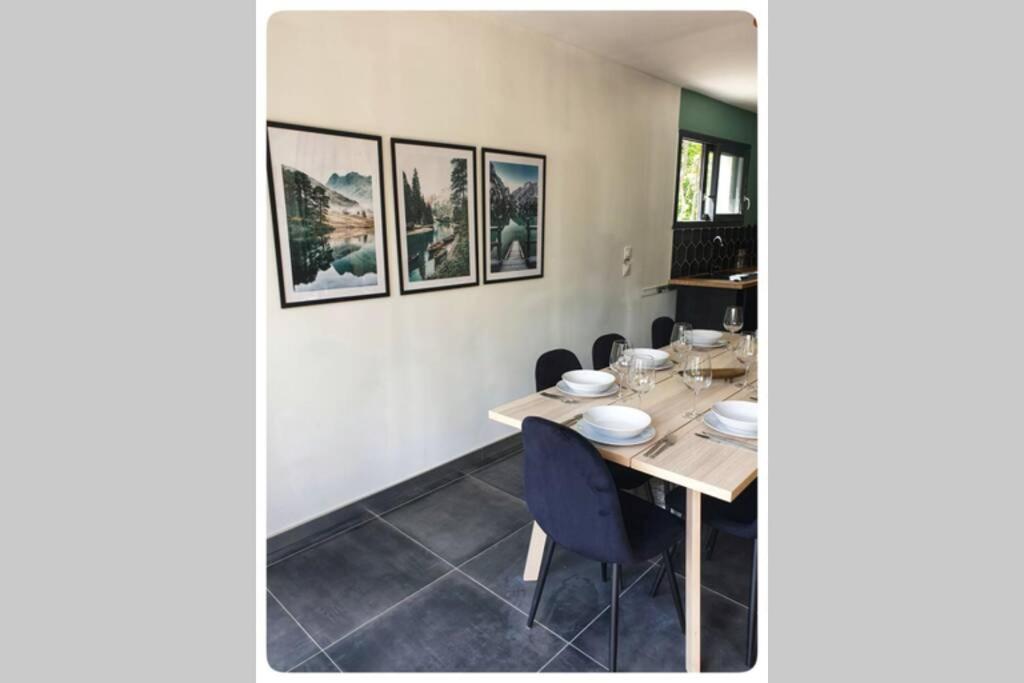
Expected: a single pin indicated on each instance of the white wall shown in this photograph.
(365, 394)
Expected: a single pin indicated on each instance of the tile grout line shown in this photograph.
(303, 629)
(378, 616)
(376, 515)
(541, 670)
(492, 545)
(600, 614)
(453, 568)
(462, 475)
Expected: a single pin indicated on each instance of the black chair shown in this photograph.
(738, 518)
(661, 331)
(572, 496)
(551, 365)
(602, 349)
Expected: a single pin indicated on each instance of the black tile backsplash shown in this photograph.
(694, 251)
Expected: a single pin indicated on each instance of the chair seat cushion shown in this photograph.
(651, 530)
(738, 518)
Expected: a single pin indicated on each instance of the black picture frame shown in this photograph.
(383, 273)
(485, 217)
(471, 187)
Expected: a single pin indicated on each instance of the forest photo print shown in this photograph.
(514, 214)
(327, 208)
(435, 214)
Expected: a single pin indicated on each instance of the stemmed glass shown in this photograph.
(696, 374)
(746, 354)
(681, 340)
(733, 319)
(618, 362)
(641, 378)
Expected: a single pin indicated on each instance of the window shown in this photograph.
(711, 182)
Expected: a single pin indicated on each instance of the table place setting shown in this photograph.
(616, 426)
(732, 423)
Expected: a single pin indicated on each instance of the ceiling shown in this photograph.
(714, 53)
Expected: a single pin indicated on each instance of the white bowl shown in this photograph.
(740, 415)
(651, 358)
(618, 421)
(706, 337)
(589, 381)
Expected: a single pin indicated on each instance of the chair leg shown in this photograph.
(709, 545)
(604, 572)
(661, 571)
(613, 636)
(752, 612)
(676, 600)
(545, 564)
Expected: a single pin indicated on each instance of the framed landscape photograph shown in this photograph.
(513, 184)
(435, 214)
(327, 205)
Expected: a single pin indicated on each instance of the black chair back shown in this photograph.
(603, 349)
(552, 365)
(661, 331)
(571, 493)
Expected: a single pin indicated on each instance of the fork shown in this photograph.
(563, 399)
(669, 440)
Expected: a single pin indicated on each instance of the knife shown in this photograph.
(727, 442)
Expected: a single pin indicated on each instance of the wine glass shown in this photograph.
(618, 362)
(641, 378)
(746, 354)
(681, 340)
(733, 319)
(696, 374)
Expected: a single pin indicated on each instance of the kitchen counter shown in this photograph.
(716, 282)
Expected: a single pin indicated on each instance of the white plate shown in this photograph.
(706, 337)
(717, 345)
(588, 381)
(609, 440)
(712, 421)
(738, 415)
(656, 359)
(618, 422)
(564, 388)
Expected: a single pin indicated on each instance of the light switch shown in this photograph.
(626, 267)
(627, 253)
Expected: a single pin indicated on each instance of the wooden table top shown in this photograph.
(711, 468)
(698, 281)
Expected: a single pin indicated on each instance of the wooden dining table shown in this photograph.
(702, 466)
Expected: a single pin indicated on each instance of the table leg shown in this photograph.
(534, 554)
(693, 523)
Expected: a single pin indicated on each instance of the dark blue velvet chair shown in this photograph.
(738, 518)
(572, 496)
(551, 365)
(661, 331)
(602, 349)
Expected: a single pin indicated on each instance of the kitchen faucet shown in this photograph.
(716, 262)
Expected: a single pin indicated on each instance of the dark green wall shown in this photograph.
(702, 114)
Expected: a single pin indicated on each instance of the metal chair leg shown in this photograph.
(549, 550)
(613, 636)
(661, 572)
(604, 572)
(676, 600)
(752, 612)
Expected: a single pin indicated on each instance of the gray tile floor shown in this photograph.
(427, 576)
